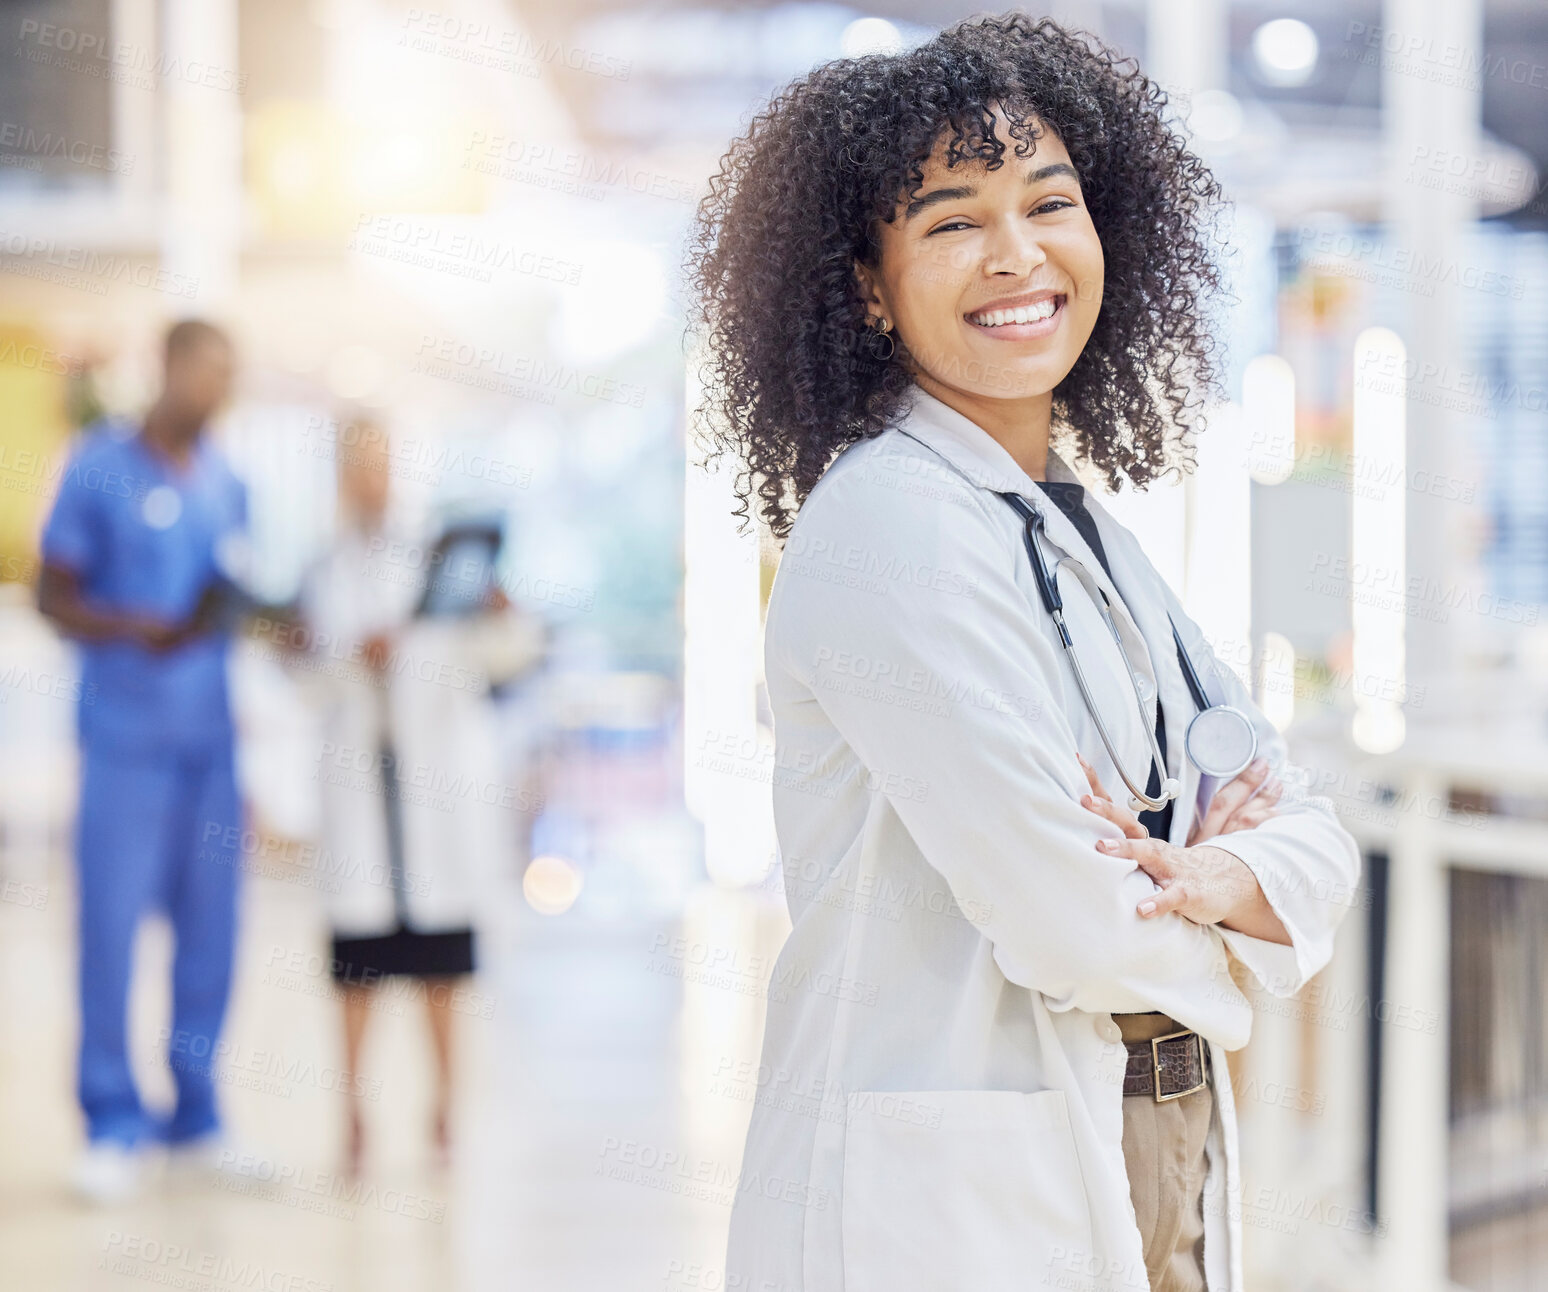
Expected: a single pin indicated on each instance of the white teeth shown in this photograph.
(1023, 314)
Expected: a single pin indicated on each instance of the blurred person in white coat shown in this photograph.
(407, 637)
(996, 1036)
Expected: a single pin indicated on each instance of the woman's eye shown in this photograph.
(1057, 204)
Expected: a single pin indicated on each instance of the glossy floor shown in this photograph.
(603, 1100)
(581, 1153)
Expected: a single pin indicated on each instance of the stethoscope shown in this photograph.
(1221, 739)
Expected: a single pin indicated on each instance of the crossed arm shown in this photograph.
(1000, 815)
(1207, 885)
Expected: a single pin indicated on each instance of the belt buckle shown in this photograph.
(1155, 1059)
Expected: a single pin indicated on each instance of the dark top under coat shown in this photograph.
(1070, 498)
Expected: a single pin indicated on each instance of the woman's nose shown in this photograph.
(1013, 247)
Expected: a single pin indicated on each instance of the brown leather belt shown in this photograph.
(1167, 1067)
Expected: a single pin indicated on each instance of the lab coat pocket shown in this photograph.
(954, 1189)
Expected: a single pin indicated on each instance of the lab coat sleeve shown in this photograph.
(1306, 862)
(876, 584)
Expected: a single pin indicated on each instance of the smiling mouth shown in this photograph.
(1036, 313)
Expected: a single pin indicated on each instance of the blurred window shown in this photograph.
(56, 92)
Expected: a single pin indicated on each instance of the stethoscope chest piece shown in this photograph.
(1221, 741)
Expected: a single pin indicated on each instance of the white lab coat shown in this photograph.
(940, 1102)
(459, 807)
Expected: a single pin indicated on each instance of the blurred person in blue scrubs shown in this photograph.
(142, 559)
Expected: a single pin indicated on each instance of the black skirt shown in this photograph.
(402, 953)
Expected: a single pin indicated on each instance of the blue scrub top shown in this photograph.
(145, 536)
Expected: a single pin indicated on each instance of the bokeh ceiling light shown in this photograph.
(312, 172)
(870, 36)
(1285, 52)
(551, 885)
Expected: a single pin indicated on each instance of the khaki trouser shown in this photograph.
(1163, 1148)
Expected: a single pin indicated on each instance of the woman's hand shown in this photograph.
(1206, 885)
(1240, 804)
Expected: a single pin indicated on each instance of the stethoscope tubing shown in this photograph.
(1154, 804)
(1048, 589)
(1034, 522)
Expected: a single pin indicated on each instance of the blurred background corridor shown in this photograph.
(444, 246)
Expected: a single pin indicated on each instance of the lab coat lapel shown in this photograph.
(1143, 624)
(987, 463)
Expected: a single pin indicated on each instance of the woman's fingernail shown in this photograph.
(1147, 907)
(1258, 764)
(1085, 800)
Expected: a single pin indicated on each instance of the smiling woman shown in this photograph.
(993, 276)
(1008, 137)
(915, 270)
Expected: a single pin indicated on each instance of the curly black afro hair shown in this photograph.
(792, 374)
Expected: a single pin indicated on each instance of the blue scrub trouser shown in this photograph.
(155, 830)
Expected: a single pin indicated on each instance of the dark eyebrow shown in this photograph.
(936, 196)
(1049, 171)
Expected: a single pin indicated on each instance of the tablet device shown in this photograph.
(461, 570)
